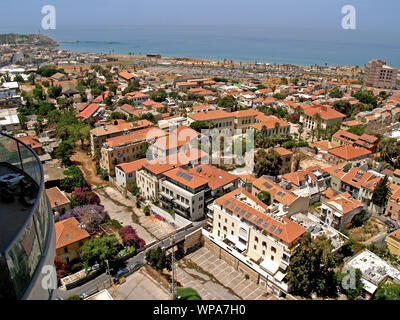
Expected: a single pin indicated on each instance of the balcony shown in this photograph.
(27, 238)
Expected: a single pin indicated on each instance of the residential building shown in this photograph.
(33, 143)
(126, 172)
(91, 111)
(374, 270)
(393, 205)
(221, 118)
(253, 240)
(147, 179)
(307, 183)
(70, 237)
(58, 200)
(380, 75)
(271, 125)
(323, 116)
(347, 153)
(100, 134)
(345, 138)
(9, 120)
(287, 159)
(340, 210)
(288, 202)
(185, 193)
(352, 180)
(137, 97)
(127, 147)
(393, 242)
(245, 118)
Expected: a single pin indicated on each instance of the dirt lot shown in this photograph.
(88, 166)
(371, 228)
(312, 162)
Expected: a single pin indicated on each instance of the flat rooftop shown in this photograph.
(14, 210)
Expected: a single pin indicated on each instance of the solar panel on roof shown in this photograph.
(278, 231)
(226, 203)
(232, 205)
(265, 224)
(281, 194)
(259, 221)
(253, 218)
(267, 185)
(248, 214)
(237, 209)
(272, 228)
(242, 211)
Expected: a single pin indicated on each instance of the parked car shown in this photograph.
(122, 272)
(96, 266)
(390, 224)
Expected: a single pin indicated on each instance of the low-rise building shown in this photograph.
(286, 199)
(221, 118)
(393, 242)
(127, 147)
(69, 239)
(320, 115)
(271, 125)
(340, 210)
(58, 200)
(126, 172)
(374, 270)
(347, 153)
(100, 134)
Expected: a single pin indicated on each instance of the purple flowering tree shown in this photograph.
(90, 215)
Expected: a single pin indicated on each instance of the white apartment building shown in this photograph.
(252, 233)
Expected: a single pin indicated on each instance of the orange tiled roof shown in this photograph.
(132, 166)
(210, 115)
(56, 197)
(216, 177)
(349, 152)
(290, 231)
(68, 232)
(325, 112)
(194, 182)
(136, 136)
(344, 201)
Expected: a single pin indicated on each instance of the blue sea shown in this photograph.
(298, 46)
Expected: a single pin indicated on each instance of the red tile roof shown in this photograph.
(89, 111)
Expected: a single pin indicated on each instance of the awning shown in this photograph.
(254, 256)
(183, 205)
(283, 266)
(269, 266)
(368, 286)
(166, 195)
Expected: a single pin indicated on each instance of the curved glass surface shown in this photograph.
(26, 249)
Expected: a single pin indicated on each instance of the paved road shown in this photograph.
(98, 282)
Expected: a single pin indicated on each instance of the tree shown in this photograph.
(388, 291)
(351, 293)
(226, 103)
(381, 193)
(158, 260)
(130, 237)
(133, 188)
(265, 197)
(358, 219)
(358, 130)
(202, 125)
(116, 115)
(366, 97)
(335, 92)
(311, 268)
(159, 96)
(64, 151)
(267, 163)
(187, 294)
(343, 106)
(97, 250)
(73, 179)
(84, 196)
(37, 93)
(91, 216)
(54, 92)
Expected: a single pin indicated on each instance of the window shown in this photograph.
(233, 224)
(232, 232)
(66, 250)
(255, 247)
(272, 258)
(273, 249)
(263, 252)
(226, 220)
(256, 239)
(264, 244)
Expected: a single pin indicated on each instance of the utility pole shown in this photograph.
(173, 268)
(108, 270)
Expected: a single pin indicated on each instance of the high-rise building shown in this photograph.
(380, 75)
(27, 236)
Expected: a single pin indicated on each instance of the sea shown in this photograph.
(297, 46)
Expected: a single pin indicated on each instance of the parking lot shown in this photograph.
(214, 279)
(139, 286)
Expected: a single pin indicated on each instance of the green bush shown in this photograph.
(74, 297)
(187, 294)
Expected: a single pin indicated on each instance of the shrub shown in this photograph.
(130, 237)
(90, 215)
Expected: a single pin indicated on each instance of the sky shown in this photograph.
(300, 14)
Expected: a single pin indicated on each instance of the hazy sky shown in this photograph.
(371, 14)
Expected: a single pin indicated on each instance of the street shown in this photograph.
(98, 282)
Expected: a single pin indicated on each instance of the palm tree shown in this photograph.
(301, 130)
(277, 126)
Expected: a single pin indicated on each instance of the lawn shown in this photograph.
(369, 229)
